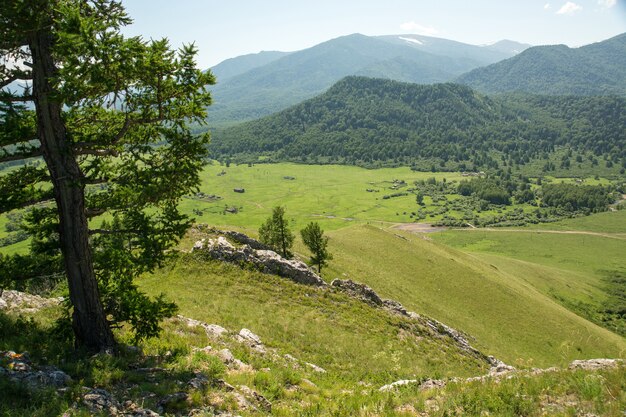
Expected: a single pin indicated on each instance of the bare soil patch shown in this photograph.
(419, 227)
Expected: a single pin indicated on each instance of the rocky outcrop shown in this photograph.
(270, 262)
(25, 303)
(213, 331)
(394, 385)
(264, 260)
(595, 364)
(369, 296)
(502, 371)
(99, 401)
(357, 290)
(234, 236)
(18, 368)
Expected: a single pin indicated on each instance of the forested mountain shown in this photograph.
(362, 120)
(244, 63)
(596, 69)
(265, 89)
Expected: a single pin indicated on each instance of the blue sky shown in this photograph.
(227, 28)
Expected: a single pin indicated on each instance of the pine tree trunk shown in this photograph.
(91, 328)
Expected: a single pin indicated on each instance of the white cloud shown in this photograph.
(570, 8)
(607, 4)
(547, 6)
(418, 29)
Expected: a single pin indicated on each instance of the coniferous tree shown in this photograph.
(275, 233)
(106, 119)
(314, 239)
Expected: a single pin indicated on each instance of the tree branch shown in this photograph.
(94, 212)
(20, 75)
(113, 232)
(97, 152)
(16, 43)
(28, 203)
(16, 99)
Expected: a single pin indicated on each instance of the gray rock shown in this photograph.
(361, 291)
(395, 307)
(173, 400)
(54, 378)
(394, 385)
(432, 384)
(199, 381)
(315, 368)
(133, 410)
(595, 364)
(252, 340)
(23, 302)
(226, 356)
(101, 401)
(250, 337)
(262, 402)
(264, 260)
(223, 385)
(500, 369)
(245, 240)
(214, 331)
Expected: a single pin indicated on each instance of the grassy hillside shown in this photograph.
(507, 316)
(582, 271)
(344, 336)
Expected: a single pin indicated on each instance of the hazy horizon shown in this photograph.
(228, 29)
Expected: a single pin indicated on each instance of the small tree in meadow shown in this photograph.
(275, 233)
(314, 239)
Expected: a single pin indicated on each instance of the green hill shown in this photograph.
(283, 82)
(507, 316)
(507, 312)
(596, 69)
(446, 126)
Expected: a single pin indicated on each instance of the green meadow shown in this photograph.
(525, 296)
(333, 195)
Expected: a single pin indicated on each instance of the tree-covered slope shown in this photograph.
(362, 120)
(596, 69)
(283, 82)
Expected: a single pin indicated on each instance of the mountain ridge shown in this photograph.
(297, 76)
(595, 69)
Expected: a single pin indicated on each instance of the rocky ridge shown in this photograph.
(25, 303)
(503, 371)
(219, 248)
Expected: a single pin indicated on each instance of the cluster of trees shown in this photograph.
(495, 201)
(573, 197)
(491, 190)
(275, 233)
(368, 121)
